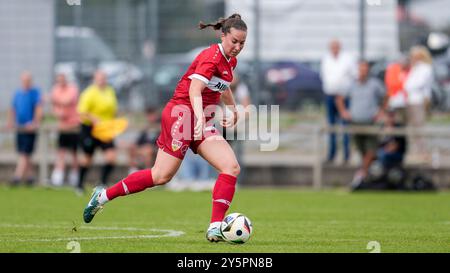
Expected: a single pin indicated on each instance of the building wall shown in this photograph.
(26, 43)
(127, 25)
(301, 30)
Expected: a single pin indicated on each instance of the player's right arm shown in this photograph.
(340, 105)
(11, 118)
(38, 115)
(195, 96)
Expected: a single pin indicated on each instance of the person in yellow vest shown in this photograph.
(98, 103)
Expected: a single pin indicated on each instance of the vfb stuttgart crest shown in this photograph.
(176, 145)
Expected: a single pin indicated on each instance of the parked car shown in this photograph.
(168, 70)
(292, 84)
(288, 84)
(79, 51)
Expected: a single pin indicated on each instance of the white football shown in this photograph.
(236, 228)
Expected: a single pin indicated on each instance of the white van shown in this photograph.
(79, 51)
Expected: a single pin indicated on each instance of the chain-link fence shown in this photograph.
(141, 44)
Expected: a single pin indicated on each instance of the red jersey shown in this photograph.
(213, 68)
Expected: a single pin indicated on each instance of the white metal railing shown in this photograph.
(43, 147)
(46, 133)
(406, 131)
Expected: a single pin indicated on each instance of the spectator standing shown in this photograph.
(97, 103)
(367, 104)
(64, 100)
(395, 77)
(418, 87)
(25, 116)
(337, 73)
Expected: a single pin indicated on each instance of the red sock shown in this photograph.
(223, 193)
(135, 182)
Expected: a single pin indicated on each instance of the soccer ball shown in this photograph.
(236, 228)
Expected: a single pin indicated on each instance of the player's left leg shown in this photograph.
(29, 173)
(31, 139)
(20, 170)
(74, 170)
(219, 154)
(57, 177)
(162, 172)
(110, 160)
(85, 163)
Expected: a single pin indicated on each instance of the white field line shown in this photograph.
(166, 233)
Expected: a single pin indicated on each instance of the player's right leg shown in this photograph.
(219, 154)
(162, 172)
(85, 163)
(74, 171)
(19, 172)
(57, 177)
(110, 160)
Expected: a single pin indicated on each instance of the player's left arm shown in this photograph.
(38, 113)
(384, 100)
(115, 104)
(228, 99)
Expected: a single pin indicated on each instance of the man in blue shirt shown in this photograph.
(25, 116)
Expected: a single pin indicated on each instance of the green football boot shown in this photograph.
(214, 235)
(93, 206)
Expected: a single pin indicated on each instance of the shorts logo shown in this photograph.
(176, 145)
(184, 149)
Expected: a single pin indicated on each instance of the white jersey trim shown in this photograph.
(223, 52)
(199, 77)
(218, 84)
(215, 84)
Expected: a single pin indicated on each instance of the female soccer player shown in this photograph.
(184, 124)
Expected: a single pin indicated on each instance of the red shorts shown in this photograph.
(177, 130)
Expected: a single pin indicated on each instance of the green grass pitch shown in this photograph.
(284, 220)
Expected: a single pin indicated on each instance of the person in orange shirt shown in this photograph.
(64, 99)
(395, 77)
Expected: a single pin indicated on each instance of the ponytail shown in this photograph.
(216, 26)
(225, 24)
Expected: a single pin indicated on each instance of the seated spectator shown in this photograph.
(143, 151)
(392, 148)
(235, 135)
(194, 174)
(387, 172)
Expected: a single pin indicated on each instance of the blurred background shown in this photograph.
(145, 46)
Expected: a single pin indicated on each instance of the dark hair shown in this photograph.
(150, 109)
(364, 61)
(225, 24)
